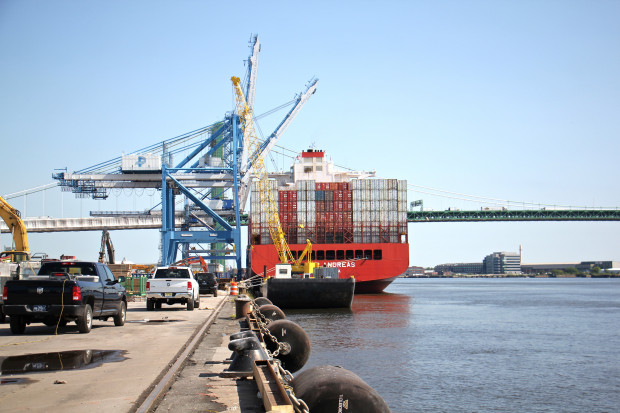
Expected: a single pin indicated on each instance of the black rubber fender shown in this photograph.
(335, 389)
(297, 350)
(272, 312)
(260, 301)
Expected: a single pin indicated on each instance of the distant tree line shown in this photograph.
(595, 271)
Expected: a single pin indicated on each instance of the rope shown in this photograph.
(62, 305)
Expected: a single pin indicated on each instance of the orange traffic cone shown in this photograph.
(233, 288)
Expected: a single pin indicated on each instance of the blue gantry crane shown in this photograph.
(203, 195)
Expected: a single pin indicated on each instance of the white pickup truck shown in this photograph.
(172, 285)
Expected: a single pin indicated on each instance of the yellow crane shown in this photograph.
(252, 145)
(13, 220)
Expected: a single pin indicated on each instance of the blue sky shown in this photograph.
(512, 100)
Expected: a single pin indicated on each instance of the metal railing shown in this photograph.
(135, 285)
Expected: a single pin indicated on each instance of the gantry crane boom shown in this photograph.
(12, 218)
(272, 139)
(252, 70)
(251, 90)
(299, 103)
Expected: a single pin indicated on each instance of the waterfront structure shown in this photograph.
(502, 263)
(413, 271)
(495, 263)
(583, 266)
(459, 268)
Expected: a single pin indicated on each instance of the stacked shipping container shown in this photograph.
(359, 211)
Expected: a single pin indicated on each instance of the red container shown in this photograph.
(347, 195)
(338, 195)
(292, 196)
(320, 206)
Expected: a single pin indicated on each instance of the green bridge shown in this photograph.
(515, 215)
(507, 215)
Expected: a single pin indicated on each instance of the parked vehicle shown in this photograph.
(65, 291)
(207, 283)
(172, 285)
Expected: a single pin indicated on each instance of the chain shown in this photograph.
(262, 325)
(298, 404)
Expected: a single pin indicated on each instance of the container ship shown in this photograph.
(354, 221)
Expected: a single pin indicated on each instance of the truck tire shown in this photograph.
(2, 315)
(190, 304)
(85, 321)
(18, 324)
(119, 318)
(197, 302)
(158, 305)
(149, 304)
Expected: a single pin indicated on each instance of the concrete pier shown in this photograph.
(144, 350)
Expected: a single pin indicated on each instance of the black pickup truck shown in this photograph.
(65, 291)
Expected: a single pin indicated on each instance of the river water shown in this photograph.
(479, 345)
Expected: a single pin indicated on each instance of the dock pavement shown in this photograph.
(117, 368)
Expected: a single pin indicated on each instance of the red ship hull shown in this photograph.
(374, 266)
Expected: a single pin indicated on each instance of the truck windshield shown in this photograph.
(81, 268)
(172, 273)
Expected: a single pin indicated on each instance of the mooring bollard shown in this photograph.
(242, 306)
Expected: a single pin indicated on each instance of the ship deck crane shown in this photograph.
(13, 220)
(252, 145)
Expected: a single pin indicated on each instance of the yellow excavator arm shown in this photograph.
(11, 217)
(264, 189)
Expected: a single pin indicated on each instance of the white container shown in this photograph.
(402, 217)
(393, 218)
(141, 163)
